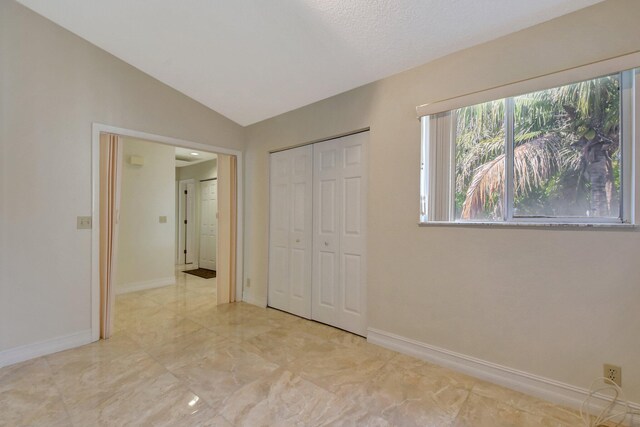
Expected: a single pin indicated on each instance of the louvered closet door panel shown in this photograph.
(290, 231)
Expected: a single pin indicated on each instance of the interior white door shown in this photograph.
(186, 222)
(208, 224)
(339, 232)
(290, 250)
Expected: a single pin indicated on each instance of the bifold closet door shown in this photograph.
(339, 232)
(290, 249)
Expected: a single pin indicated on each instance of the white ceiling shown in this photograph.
(253, 59)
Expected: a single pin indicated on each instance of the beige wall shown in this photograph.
(557, 303)
(204, 170)
(146, 247)
(53, 86)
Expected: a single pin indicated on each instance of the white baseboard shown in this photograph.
(42, 348)
(535, 385)
(147, 284)
(249, 299)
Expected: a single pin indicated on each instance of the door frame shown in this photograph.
(96, 130)
(190, 226)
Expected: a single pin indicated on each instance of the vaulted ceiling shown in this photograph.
(254, 59)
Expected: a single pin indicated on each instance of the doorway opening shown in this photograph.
(185, 226)
(196, 175)
(154, 221)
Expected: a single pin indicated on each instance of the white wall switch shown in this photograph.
(84, 223)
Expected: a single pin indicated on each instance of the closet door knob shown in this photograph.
(326, 243)
(297, 240)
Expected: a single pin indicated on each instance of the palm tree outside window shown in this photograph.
(554, 155)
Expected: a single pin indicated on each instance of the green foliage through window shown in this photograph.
(566, 154)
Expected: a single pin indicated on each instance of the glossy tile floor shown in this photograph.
(178, 359)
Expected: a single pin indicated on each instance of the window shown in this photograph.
(559, 155)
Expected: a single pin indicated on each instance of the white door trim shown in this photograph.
(190, 226)
(98, 128)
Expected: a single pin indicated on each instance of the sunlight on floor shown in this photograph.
(178, 359)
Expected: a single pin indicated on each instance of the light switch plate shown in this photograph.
(163, 220)
(84, 223)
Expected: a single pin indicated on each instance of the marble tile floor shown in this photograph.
(177, 359)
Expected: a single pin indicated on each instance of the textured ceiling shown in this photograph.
(186, 157)
(253, 59)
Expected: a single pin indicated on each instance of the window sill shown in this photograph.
(562, 225)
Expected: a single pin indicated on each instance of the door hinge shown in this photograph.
(185, 191)
(185, 221)
(185, 251)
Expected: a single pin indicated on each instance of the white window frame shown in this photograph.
(438, 153)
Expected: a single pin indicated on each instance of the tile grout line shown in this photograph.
(464, 404)
(60, 393)
(180, 379)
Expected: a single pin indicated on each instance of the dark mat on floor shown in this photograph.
(202, 272)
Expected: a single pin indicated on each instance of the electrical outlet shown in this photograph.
(248, 283)
(614, 373)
